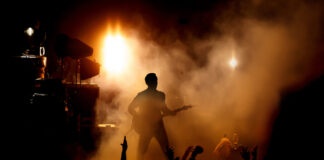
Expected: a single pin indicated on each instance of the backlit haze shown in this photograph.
(230, 61)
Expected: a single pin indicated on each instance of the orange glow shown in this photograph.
(115, 53)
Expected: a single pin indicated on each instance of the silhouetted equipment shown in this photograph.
(74, 48)
(33, 67)
(66, 46)
(88, 68)
(85, 98)
(52, 113)
(83, 101)
(60, 45)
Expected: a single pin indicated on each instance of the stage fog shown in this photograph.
(230, 62)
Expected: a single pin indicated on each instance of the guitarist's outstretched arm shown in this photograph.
(166, 111)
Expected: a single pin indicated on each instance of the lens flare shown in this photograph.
(115, 53)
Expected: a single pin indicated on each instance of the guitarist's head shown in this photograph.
(151, 80)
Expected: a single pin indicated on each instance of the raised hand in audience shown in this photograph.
(124, 146)
(254, 153)
(170, 153)
(195, 152)
(245, 153)
(187, 152)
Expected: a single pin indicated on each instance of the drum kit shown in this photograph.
(40, 99)
(29, 69)
(33, 59)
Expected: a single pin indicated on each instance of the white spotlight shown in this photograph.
(233, 62)
(29, 31)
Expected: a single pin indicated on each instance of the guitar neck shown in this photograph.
(182, 108)
(178, 110)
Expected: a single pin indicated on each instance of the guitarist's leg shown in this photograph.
(144, 141)
(162, 138)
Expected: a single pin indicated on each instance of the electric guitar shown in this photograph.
(138, 121)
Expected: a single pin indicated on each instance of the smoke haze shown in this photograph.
(276, 44)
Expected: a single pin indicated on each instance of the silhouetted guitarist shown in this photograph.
(147, 109)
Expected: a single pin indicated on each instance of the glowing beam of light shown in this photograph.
(107, 125)
(116, 54)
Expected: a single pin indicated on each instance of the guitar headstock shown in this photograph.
(186, 107)
(183, 108)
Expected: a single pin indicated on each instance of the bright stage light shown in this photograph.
(29, 31)
(115, 54)
(233, 62)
